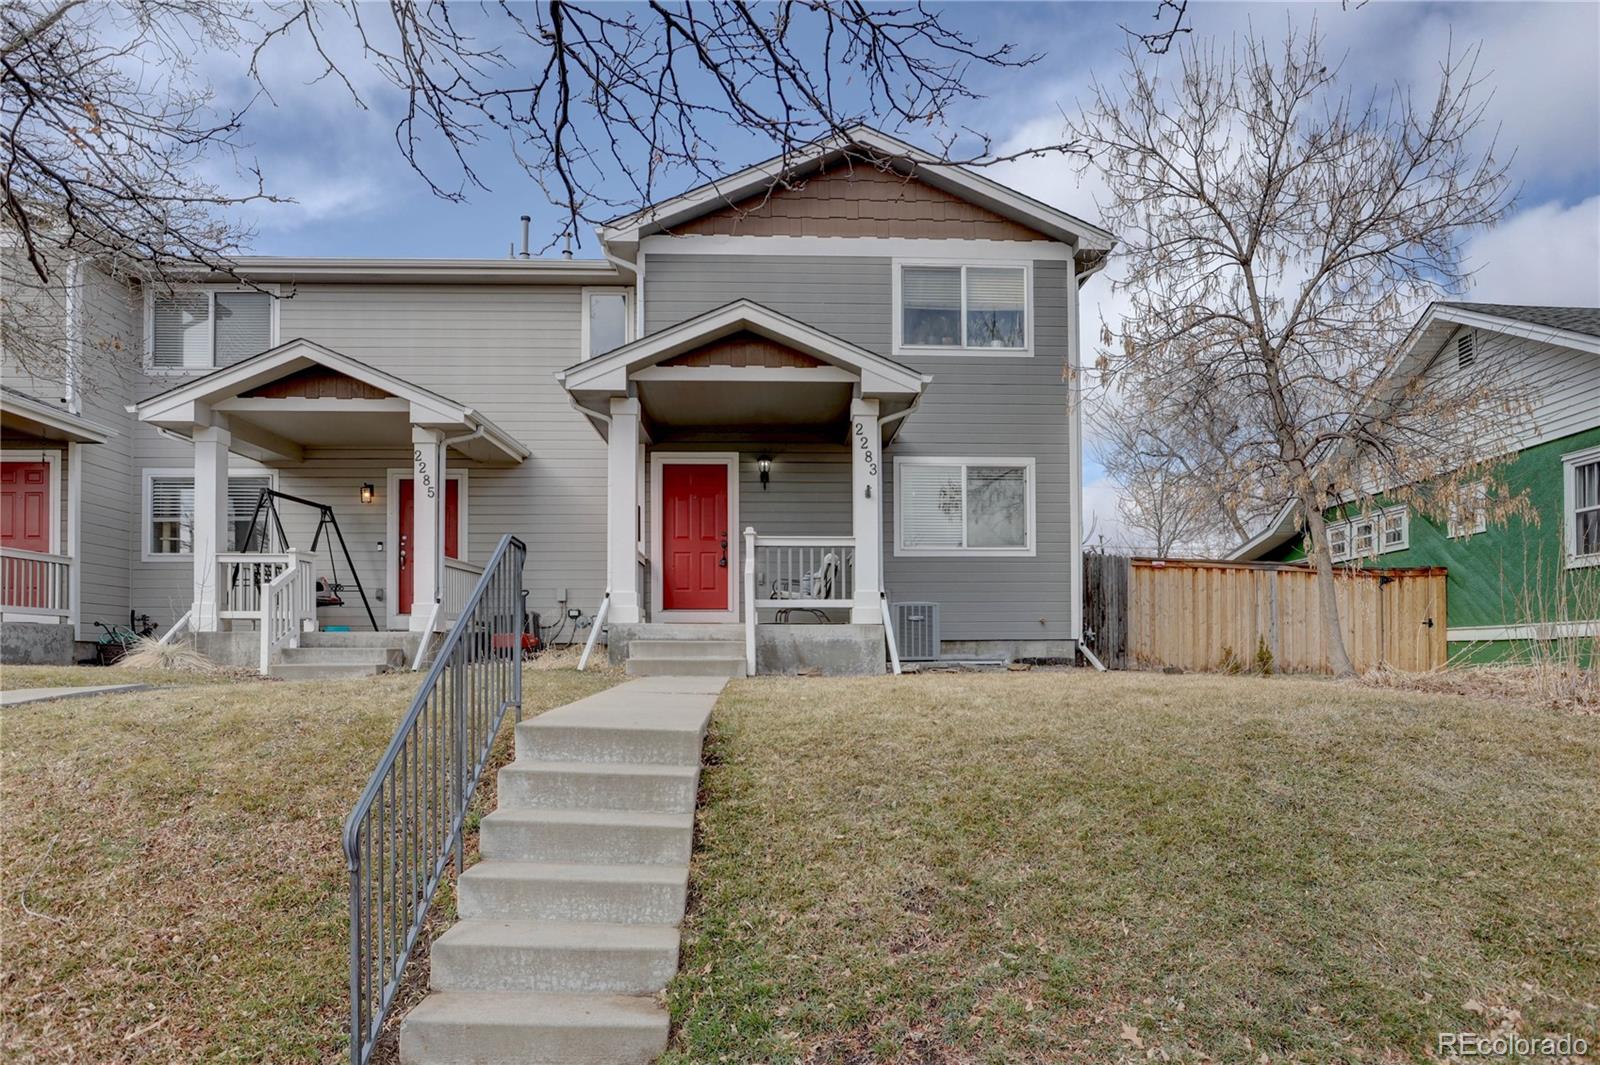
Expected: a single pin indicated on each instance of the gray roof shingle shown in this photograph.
(1585, 320)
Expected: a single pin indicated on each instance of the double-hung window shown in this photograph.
(958, 307)
(1581, 514)
(204, 328)
(978, 506)
(169, 514)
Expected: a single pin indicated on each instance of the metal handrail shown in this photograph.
(399, 838)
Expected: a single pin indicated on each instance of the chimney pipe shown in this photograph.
(566, 253)
(525, 221)
(511, 250)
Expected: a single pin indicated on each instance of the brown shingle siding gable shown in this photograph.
(857, 201)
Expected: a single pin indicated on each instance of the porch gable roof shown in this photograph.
(38, 417)
(226, 391)
(609, 374)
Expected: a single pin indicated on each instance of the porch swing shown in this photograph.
(329, 588)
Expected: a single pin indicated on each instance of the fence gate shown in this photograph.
(1154, 613)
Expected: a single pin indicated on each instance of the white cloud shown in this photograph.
(1102, 523)
(1546, 254)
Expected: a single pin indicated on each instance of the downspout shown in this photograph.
(444, 499)
(890, 419)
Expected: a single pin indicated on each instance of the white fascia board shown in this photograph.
(1278, 532)
(1512, 327)
(955, 179)
(77, 429)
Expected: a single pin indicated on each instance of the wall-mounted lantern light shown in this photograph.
(368, 493)
(764, 464)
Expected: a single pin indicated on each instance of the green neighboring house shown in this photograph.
(1522, 579)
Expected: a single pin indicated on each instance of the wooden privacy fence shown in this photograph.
(1144, 613)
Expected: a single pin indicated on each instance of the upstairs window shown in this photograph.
(1475, 503)
(202, 329)
(964, 506)
(607, 320)
(1370, 535)
(963, 308)
(1582, 511)
(1466, 349)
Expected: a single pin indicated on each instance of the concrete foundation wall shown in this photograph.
(829, 650)
(26, 643)
(1011, 650)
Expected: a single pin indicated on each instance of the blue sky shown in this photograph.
(356, 196)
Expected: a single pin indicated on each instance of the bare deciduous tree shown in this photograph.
(1280, 234)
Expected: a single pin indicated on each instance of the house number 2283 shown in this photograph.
(424, 475)
(866, 449)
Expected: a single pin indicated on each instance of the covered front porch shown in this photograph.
(41, 565)
(350, 511)
(744, 477)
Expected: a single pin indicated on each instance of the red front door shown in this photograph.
(25, 506)
(408, 523)
(694, 536)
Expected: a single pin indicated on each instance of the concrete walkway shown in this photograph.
(569, 924)
(21, 696)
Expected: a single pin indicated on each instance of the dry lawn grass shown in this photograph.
(13, 678)
(1063, 866)
(173, 884)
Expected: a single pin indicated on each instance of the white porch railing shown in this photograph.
(242, 578)
(794, 572)
(288, 607)
(460, 578)
(32, 582)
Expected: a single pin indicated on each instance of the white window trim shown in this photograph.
(150, 367)
(1569, 506)
(1030, 550)
(1376, 520)
(1026, 266)
(147, 500)
(52, 461)
(1478, 492)
(628, 326)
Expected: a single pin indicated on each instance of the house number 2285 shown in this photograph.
(866, 449)
(424, 475)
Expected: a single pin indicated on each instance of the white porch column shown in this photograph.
(426, 548)
(622, 510)
(866, 483)
(210, 522)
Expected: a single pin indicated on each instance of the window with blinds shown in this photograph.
(1583, 507)
(171, 517)
(206, 328)
(960, 506)
(967, 307)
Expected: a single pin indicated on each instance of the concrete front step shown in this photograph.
(533, 1028)
(568, 891)
(687, 648)
(393, 657)
(398, 640)
(632, 739)
(494, 955)
(319, 671)
(598, 786)
(586, 836)
(678, 666)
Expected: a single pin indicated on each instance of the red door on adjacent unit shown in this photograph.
(25, 506)
(694, 536)
(408, 517)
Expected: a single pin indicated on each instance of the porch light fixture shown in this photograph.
(764, 464)
(368, 493)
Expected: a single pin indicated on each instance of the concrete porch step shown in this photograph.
(397, 640)
(497, 955)
(664, 789)
(569, 891)
(673, 665)
(323, 671)
(586, 836)
(343, 656)
(690, 648)
(543, 1028)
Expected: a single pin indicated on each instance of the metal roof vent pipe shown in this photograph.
(566, 253)
(525, 220)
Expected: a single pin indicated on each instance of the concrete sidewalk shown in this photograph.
(23, 696)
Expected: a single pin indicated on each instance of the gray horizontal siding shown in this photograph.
(976, 406)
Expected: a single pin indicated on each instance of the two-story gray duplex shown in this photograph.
(818, 386)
